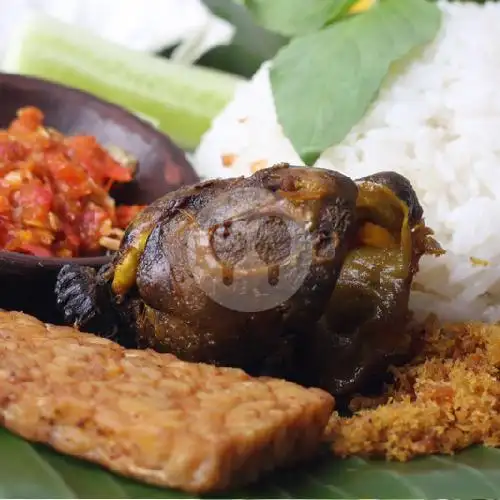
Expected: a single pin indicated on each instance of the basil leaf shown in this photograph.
(250, 46)
(297, 17)
(323, 83)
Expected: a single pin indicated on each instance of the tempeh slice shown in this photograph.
(149, 415)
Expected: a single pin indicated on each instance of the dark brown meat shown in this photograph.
(364, 329)
(227, 271)
(294, 272)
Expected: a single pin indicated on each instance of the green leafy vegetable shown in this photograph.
(251, 46)
(323, 83)
(297, 17)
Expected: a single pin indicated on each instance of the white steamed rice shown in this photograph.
(436, 121)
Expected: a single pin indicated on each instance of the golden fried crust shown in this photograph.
(149, 415)
(445, 400)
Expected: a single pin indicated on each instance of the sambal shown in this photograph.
(55, 191)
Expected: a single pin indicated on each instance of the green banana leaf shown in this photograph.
(34, 471)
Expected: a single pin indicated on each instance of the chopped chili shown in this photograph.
(55, 191)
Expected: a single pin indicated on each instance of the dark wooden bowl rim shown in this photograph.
(128, 119)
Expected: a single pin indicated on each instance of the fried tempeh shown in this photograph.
(148, 415)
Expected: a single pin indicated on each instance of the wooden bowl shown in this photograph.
(27, 282)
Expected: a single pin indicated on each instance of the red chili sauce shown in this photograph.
(54, 191)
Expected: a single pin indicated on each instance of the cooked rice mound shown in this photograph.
(435, 121)
(445, 400)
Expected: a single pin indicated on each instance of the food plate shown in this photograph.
(33, 471)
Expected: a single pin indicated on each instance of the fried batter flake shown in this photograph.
(445, 400)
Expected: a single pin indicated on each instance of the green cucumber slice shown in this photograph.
(181, 100)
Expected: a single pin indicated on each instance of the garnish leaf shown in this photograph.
(297, 17)
(323, 83)
(251, 45)
(34, 471)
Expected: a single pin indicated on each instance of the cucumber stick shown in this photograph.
(180, 100)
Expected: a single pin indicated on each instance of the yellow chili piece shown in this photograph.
(361, 6)
(479, 262)
(376, 236)
(126, 268)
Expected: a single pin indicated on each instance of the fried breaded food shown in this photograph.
(445, 400)
(149, 415)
